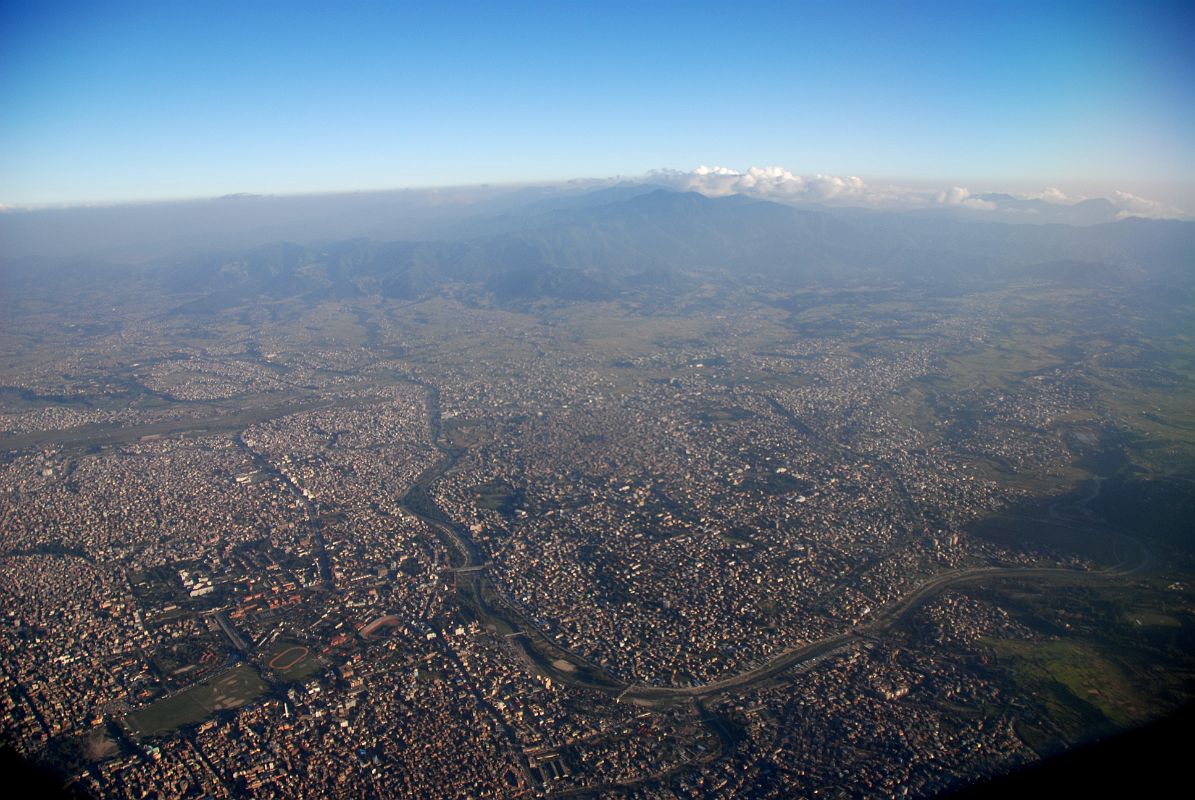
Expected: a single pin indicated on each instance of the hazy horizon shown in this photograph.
(147, 230)
(1177, 196)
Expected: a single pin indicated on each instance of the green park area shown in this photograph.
(1080, 688)
(290, 661)
(232, 689)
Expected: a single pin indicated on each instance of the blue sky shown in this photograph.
(128, 101)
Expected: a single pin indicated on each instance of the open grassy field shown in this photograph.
(291, 661)
(233, 689)
(1081, 689)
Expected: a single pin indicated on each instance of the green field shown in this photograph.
(233, 689)
(1081, 689)
(1031, 528)
(291, 661)
(498, 496)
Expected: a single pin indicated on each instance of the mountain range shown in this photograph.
(632, 239)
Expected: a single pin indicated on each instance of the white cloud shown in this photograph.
(959, 197)
(783, 186)
(1052, 194)
(775, 183)
(1131, 205)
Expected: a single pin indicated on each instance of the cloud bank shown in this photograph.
(781, 185)
(774, 183)
(1133, 206)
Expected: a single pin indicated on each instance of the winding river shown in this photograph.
(477, 590)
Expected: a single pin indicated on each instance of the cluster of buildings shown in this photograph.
(205, 378)
(671, 515)
(677, 524)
